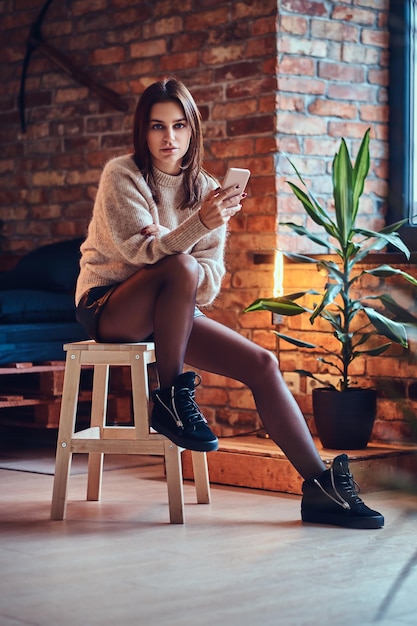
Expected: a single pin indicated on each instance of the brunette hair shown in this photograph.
(167, 90)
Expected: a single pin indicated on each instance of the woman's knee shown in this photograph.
(182, 266)
(264, 364)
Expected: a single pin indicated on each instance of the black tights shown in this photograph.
(161, 298)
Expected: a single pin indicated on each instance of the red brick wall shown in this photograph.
(291, 76)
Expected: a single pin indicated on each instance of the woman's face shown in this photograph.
(168, 136)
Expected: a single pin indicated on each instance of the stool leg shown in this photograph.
(66, 430)
(173, 470)
(98, 418)
(201, 476)
(140, 395)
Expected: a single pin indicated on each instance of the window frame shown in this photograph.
(402, 116)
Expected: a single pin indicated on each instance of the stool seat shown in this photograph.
(99, 439)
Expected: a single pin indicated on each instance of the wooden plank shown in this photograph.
(259, 464)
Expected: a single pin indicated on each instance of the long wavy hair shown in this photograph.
(172, 90)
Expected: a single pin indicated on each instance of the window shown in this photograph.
(402, 197)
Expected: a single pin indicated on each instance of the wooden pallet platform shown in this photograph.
(259, 464)
(30, 395)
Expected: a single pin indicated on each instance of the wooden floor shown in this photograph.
(243, 560)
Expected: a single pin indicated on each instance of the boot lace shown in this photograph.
(185, 406)
(345, 489)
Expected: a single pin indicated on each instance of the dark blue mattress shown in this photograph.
(37, 342)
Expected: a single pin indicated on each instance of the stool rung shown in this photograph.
(117, 446)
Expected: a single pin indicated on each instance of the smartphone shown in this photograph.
(236, 176)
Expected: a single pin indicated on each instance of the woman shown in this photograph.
(154, 251)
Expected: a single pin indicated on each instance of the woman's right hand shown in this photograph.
(219, 206)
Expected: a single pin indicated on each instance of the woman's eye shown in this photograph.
(180, 125)
(157, 126)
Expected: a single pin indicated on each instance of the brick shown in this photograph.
(305, 7)
(289, 123)
(234, 71)
(354, 15)
(223, 54)
(148, 48)
(356, 53)
(188, 41)
(201, 20)
(374, 113)
(307, 47)
(378, 77)
(301, 85)
(262, 47)
(49, 179)
(323, 29)
(169, 7)
(228, 148)
(180, 61)
(262, 223)
(297, 66)
(375, 38)
(107, 56)
(332, 108)
(251, 278)
(251, 87)
(254, 8)
(163, 27)
(294, 25)
(341, 72)
(230, 110)
(362, 93)
(250, 125)
(347, 129)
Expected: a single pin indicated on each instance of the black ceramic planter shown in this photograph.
(344, 419)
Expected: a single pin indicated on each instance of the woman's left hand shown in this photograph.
(151, 230)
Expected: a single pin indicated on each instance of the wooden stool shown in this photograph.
(100, 439)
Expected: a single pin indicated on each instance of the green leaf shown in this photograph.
(394, 331)
(363, 339)
(385, 271)
(360, 172)
(330, 294)
(343, 193)
(303, 232)
(309, 207)
(281, 305)
(390, 228)
(293, 256)
(294, 341)
(393, 307)
(373, 351)
(387, 238)
(308, 374)
(317, 207)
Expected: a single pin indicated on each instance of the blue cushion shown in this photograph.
(19, 306)
(37, 342)
(53, 267)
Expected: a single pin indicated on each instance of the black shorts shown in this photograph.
(91, 306)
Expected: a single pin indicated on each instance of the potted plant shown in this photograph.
(344, 413)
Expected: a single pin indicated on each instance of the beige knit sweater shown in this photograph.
(114, 248)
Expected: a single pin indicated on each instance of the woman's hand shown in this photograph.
(219, 206)
(151, 230)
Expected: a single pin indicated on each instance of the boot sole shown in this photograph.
(188, 444)
(343, 520)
